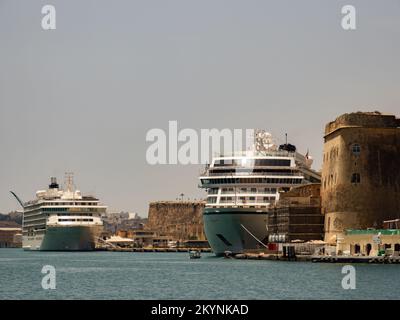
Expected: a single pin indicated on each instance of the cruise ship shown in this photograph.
(61, 220)
(242, 186)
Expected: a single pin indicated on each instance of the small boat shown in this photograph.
(228, 254)
(194, 254)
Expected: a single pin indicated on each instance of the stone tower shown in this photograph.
(182, 220)
(360, 185)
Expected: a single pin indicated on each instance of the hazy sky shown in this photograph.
(82, 97)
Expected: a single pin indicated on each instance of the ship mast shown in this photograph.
(69, 183)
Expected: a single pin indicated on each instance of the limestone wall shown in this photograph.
(183, 220)
(374, 195)
(363, 119)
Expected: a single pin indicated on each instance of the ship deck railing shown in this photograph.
(243, 192)
(266, 153)
(244, 174)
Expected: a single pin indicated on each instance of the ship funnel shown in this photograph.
(53, 183)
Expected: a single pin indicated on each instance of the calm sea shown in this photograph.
(112, 275)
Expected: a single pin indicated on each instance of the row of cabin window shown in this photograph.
(75, 214)
(70, 203)
(253, 180)
(242, 199)
(252, 162)
(74, 220)
(232, 190)
(71, 209)
(252, 190)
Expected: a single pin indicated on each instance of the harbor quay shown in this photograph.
(320, 258)
(151, 249)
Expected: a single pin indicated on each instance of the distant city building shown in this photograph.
(10, 237)
(297, 215)
(115, 221)
(152, 239)
(360, 173)
(181, 220)
(133, 216)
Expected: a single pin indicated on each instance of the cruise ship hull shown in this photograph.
(235, 229)
(65, 238)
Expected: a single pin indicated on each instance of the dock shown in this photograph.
(356, 259)
(271, 257)
(319, 259)
(165, 250)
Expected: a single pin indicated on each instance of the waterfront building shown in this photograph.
(297, 215)
(10, 237)
(391, 224)
(369, 242)
(120, 242)
(360, 173)
(142, 238)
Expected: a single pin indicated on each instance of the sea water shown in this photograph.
(126, 275)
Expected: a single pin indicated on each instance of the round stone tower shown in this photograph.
(360, 185)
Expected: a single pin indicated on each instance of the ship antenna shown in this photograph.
(286, 138)
(69, 181)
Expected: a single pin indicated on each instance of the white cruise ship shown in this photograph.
(61, 220)
(242, 186)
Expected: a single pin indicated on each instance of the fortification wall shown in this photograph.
(362, 119)
(361, 173)
(182, 220)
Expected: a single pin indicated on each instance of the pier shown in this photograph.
(356, 259)
(271, 257)
(319, 258)
(165, 250)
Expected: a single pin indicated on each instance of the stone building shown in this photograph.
(182, 220)
(297, 215)
(360, 173)
(10, 237)
(369, 242)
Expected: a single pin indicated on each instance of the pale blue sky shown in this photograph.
(82, 97)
